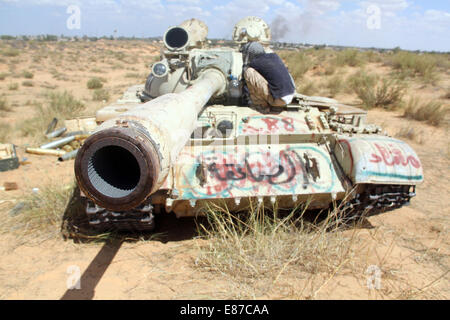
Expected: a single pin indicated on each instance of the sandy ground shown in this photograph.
(410, 246)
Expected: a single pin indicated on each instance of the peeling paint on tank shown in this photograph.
(382, 160)
(257, 124)
(249, 171)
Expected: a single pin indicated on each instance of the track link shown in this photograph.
(140, 219)
(377, 199)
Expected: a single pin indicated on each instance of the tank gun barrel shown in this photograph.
(129, 157)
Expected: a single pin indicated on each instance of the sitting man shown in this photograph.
(268, 80)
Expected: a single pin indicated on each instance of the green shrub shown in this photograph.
(298, 63)
(100, 95)
(408, 64)
(64, 104)
(3, 75)
(10, 52)
(432, 112)
(94, 83)
(335, 85)
(330, 69)
(7, 37)
(307, 88)
(13, 86)
(4, 104)
(349, 57)
(5, 130)
(28, 75)
(58, 105)
(386, 94)
(372, 56)
(28, 84)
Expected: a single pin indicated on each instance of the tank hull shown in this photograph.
(280, 159)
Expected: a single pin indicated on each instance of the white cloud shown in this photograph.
(403, 22)
(387, 5)
(319, 7)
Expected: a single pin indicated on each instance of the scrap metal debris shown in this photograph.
(8, 157)
(66, 147)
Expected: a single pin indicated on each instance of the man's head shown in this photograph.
(251, 50)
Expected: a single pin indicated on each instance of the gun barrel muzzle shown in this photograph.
(129, 157)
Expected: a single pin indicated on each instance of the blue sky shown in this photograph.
(410, 24)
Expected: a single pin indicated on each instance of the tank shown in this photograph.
(186, 139)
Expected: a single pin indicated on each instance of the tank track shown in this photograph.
(377, 199)
(140, 219)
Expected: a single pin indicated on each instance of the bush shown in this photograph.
(5, 130)
(3, 76)
(432, 112)
(335, 85)
(94, 83)
(100, 95)
(298, 63)
(4, 105)
(13, 86)
(307, 88)
(372, 93)
(372, 56)
(411, 133)
(349, 57)
(7, 37)
(64, 104)
(408, 64)
(10, 52)
(330, 69)
(28, 75)
(58, 105)
(27, 84)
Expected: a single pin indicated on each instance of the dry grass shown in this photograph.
(335, 85)
(40, 213)
(28, 75)
(94, 83)
(307, 88)
(59, 105)
(408, 64)
(349, 57)
(100, 95)
(13, 86)
(258, 248)
(10, 52)
(5, 130)
(4, 106)
(411, 133)
(298, 63)
(432, 112)
(446, 95)
(28, 83)
(386, 93)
